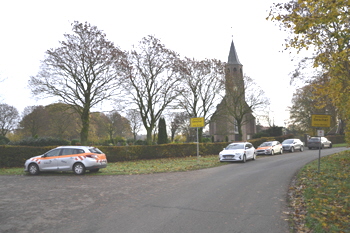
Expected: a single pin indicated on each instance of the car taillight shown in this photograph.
(92, 156)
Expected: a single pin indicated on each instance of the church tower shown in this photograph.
(223, 125)
(233, 71)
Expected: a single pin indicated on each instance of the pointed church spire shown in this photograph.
(232, 57)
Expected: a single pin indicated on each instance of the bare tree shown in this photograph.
(135, 120)
(179, 122)
(117, 125)
(82, 72)
(8, 118)
(203, 83)
(151, 80)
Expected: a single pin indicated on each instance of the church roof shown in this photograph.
(232, 57)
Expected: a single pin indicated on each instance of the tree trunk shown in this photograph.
(84, 133)
(240, 134)
(149, 136)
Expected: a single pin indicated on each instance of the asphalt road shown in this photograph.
(237, 197)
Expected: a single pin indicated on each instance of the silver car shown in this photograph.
(292, 145)
(67, 158)
(238, 151)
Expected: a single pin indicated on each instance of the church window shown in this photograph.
(234, 69)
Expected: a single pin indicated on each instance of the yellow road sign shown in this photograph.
(197, 122)
(320, 120)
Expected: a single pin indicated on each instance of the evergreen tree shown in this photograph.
(162, 134)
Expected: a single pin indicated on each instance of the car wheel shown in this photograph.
(292, 149)
(330, 145)
(254, 156)
(33, 169)
(94, 170)
(79, 168)
(244, 159)
(301, 149)
(272, 152)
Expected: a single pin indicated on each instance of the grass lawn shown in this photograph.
(321, 200)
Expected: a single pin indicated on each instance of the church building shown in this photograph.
(233, 119)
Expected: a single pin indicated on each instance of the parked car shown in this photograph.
(292, 145)
(269, 148)
(314, 142)
(67, 158)
(238, 151)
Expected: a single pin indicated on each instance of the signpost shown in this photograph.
(319, 121)
(196, 123)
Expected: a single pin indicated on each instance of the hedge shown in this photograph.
(15, 156)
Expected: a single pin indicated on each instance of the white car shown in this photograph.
(238, 151)
(314, 142)
(67, 158)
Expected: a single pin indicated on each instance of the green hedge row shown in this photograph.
(15, 156)
(336, 139)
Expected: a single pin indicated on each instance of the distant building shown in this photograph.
(222, 126)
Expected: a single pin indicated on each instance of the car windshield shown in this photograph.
(288, 141)
(235, 146)
(314, 139)
(266, 144)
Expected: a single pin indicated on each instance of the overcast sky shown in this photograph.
(195, 29)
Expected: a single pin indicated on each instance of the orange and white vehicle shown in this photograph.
(67, 158)
(270, 148)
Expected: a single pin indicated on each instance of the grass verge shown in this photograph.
(141, 166)
(320, 200)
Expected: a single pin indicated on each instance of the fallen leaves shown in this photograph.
(320, 201)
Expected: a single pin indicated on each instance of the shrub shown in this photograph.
(75, 142)
(44, 141)
(336, 139)
(4, 140)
